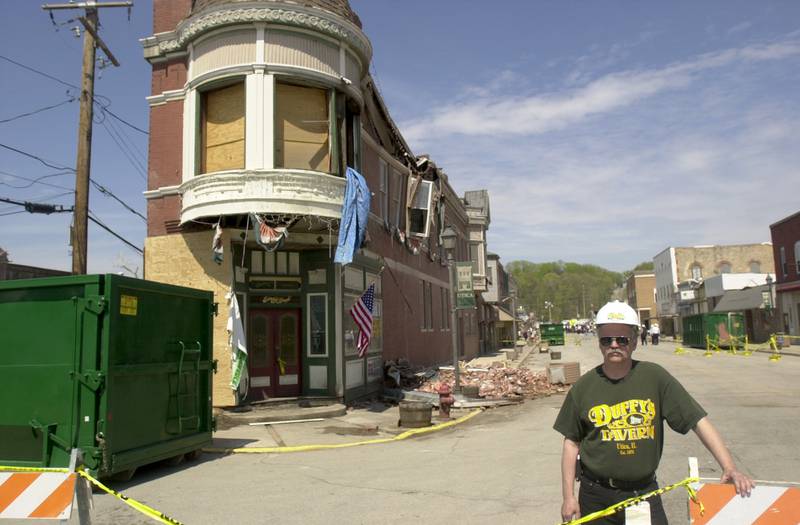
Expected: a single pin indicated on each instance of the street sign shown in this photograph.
(465, 296)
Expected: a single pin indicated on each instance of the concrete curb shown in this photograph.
(308, 448)
(229, 419)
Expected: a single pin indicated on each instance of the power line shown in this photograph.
(40, 110)
(42, 73)
(65, 83)
(130, 141)
(140, 130)
(38, 207)
(126, 150)
(112, 232)
(105, 191)
(12, 213)
(34, 157)
(97, 185)
(37, 180)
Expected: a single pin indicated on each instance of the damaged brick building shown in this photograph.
(256, 111)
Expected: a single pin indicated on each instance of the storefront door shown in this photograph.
(274, 353)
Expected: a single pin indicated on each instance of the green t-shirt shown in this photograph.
(620, 423)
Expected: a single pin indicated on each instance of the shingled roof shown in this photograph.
(338, 7)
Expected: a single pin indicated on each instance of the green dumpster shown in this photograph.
(721, 328)
(552, 333)
(116, 367)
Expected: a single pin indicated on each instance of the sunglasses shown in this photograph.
(621, 340)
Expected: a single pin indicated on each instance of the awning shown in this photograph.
(503, 316)
(741, 300)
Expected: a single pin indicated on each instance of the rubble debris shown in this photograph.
(399, 374)
(497, 382)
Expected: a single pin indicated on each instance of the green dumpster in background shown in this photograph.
(119, 368)
(721, 328)
(552, 333)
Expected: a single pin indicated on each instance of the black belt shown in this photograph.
(620, 484)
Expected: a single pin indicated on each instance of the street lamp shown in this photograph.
(549, 306)
(769, 291)
(513, 298)
(449, 242)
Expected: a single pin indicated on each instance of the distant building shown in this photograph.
(498, 299)
(679, 272)
(786, 252)
(10, 271)
(640, 290)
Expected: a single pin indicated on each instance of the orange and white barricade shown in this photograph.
(37, 494)
(768, 504)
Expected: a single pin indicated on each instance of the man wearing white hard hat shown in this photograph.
(614, 418)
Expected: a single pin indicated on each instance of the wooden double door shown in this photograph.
(274, 347)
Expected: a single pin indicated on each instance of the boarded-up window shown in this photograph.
(302, 128)
(223, 129)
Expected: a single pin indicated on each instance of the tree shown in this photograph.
(574, 289)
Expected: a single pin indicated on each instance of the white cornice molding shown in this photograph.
(166, 96)
(164, 191)
(316, 20)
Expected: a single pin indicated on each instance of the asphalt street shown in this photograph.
(501, 467)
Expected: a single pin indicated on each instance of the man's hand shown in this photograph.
(743, 484)
(570, 510)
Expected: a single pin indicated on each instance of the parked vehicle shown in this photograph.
(552, 333)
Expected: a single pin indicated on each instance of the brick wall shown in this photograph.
(167, 14)
(709, 258)
(785, 234)
(185, 260)
(165, 148)
(168, 75)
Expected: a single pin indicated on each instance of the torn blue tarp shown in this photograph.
(355, 214)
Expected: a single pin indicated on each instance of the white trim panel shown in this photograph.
(355, 373)
(318, 377)
(262, 191)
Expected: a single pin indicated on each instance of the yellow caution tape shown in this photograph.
(638, 499)
(141, 507)
(33, 469)
(307, 448)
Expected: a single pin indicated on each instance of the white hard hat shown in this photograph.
(617, 312)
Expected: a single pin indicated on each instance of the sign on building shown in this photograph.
(465, 296)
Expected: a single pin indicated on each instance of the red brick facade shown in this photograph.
(784, 235)
(167, 14)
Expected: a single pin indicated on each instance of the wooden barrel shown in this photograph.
(415, 414)
(470, 390)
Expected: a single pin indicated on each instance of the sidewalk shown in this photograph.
(376, 420)
(335, 424)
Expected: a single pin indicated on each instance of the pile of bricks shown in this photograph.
(497, 382)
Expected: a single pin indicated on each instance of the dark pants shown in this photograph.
(593, 497)
(644, 338)
(654, 339)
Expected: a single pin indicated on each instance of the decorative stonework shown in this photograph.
(193, 27)
(268, 191)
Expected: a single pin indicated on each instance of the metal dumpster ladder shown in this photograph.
(186, 389)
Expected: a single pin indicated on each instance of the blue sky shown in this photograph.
(604, 131)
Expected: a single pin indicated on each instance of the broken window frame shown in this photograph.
(383, 190)
(426, 208)
(397, 195)
(797, 257)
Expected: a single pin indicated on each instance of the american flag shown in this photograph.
(362, 315)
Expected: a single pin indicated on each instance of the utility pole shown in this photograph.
(91, 39)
